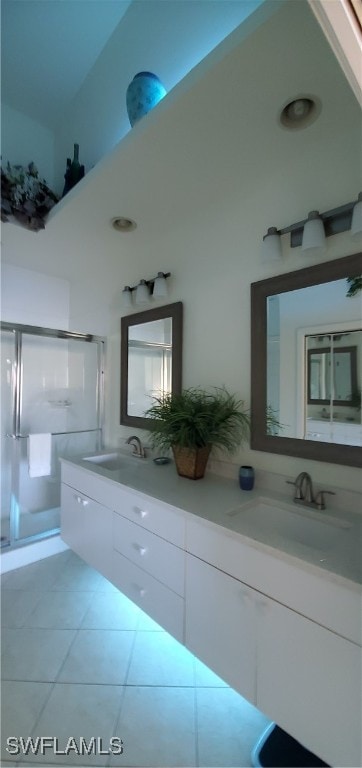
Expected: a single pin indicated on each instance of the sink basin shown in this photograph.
(110, 461)
(273, 521)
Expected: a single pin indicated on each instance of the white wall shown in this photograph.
(24, 140)
(33, 298)
(212, 270)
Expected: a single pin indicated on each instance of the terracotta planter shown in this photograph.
(191, 462)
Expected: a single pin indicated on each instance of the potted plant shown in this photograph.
(25, 197)
(195, 421)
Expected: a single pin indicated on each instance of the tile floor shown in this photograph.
(79, 659)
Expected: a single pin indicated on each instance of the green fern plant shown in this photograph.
(197, 418)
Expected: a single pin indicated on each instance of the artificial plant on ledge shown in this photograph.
(25, 198)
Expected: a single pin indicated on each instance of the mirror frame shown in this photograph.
(175, 311)
(350, 455)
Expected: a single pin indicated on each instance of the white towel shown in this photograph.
(39, 455)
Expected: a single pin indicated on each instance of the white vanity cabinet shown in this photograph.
(282, 632)
(86, 526)
(309, 681)
(134, 541)
(299, 673)
(220, 627)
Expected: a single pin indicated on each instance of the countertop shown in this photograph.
(219, 501)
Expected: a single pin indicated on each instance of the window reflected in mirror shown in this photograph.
(333, 365)
(149, 364)
(314, 364)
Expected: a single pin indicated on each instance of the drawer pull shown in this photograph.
(141, 512)
(141, 550)
(83, 502)
(245, 595)
(141, 590)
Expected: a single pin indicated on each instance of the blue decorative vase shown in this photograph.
(246, 478)
(143, 93)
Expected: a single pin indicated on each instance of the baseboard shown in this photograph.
(31, 553)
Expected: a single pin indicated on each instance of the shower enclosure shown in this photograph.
(51, 382)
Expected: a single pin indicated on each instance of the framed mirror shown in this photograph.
(151, 360)
(306, 363)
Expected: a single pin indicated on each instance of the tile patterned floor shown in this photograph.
(79, 659)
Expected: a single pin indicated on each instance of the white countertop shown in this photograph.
(213, 498)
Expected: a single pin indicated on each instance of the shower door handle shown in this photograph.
(17, 437)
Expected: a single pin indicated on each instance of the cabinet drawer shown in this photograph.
(154, 555)
(92, 485)
(164, 606)
(155, 516)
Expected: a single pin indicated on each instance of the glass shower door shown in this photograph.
(7, 427)
(60, 396)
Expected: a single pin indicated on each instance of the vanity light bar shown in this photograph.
(335, 221)
(345, 217)
(155, 286)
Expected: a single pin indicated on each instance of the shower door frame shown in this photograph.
(19, 329)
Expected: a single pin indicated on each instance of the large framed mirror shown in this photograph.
(306, 362)
(151, 360)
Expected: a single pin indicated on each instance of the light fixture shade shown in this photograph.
(313, 232)
(160, 288)
(126, 296)
(356, 225)
(142, 293)
(272, 247)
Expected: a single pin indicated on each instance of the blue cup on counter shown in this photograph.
(246, 478)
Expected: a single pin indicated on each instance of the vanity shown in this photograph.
(266, 594)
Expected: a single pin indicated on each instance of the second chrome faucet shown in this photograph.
(304, 493)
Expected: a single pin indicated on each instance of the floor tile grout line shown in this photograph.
(33, 730)
(196, 718)
(76, 633)
(117, 685)
(117, 721)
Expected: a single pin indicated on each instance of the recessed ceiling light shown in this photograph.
(300, 112)
(122, 224)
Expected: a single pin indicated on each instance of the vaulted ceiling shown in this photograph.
(50, 46)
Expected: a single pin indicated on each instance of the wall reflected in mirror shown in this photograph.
(314, 364)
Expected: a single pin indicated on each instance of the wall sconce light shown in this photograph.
(142, 293)
(311, 232)
(356, 226)
(156, 287)
(160, 288)
(272, 246)
(127, 296)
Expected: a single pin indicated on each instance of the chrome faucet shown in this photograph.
(138, 449)
(304, 493)
(304, 488)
